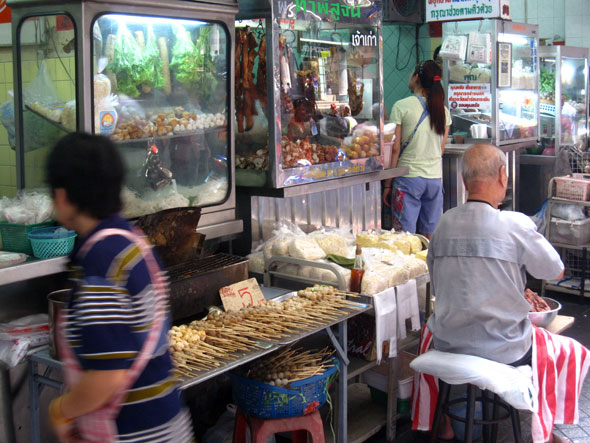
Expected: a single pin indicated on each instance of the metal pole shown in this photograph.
(6, 399)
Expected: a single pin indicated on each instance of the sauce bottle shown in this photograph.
(356, 275)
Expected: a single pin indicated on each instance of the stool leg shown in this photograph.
(515, 424)
(317, 429)
(240, 427)
(470, 413)
(487, 415)
(495, 417)
(443, 396)
(299, 436)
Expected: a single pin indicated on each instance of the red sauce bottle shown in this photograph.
(356, 275)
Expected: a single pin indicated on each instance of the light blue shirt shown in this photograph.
(478, 258)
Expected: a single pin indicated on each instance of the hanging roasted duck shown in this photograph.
(355, 97)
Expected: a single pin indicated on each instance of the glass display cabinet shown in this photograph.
(491, 72)
(308, 91)
(156, 78)
(563, 91)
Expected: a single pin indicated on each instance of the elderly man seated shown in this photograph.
(478, 258)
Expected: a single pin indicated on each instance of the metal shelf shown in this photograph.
(327, 185)
(32, 269)
(557, 288)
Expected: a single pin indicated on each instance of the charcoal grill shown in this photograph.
(195, 284)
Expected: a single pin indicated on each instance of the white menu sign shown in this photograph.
(470, 96)
(451, 10)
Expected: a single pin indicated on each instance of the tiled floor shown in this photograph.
(580, 433)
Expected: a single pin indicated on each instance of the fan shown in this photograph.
(405, 8)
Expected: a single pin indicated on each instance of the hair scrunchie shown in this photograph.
(436, 78)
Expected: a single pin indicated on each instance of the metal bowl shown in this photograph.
(543, 319)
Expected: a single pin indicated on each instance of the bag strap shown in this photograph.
(422, 117)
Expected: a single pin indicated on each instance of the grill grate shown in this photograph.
(203, 265)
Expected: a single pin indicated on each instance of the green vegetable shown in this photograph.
(133, 67)
(340, 260)
(153, 63)
(127, 62)
(192, 64)
(547, 80)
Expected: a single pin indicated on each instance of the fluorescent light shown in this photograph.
(514, 39)
(144, 19)
(567, 72)
(326, 42)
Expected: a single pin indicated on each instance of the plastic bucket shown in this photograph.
(57, 300)
(404, 393)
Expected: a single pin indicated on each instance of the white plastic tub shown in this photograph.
(570, 232)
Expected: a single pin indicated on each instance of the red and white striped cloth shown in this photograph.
(559, 365)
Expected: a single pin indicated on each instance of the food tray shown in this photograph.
(14, 236)
(576, 187)
(266, 401)
(199, 132)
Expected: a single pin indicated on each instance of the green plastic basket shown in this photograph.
(14, 237)
(52, 242)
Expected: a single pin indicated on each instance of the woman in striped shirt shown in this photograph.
(117, 366)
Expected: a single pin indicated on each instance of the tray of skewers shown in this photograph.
(290, 383)
(223, 337)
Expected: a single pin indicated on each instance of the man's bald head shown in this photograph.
(481, 163)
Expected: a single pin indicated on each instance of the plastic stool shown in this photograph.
(490, 417)
(261, 429)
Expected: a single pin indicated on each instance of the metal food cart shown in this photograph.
(563, 95)
(491, 72)
(155, 77)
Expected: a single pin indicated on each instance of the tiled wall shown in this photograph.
(548, 14)
(399, 59)
(569, 19)
(7, 155)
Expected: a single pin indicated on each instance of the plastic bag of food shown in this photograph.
(256, 262)
(27, 209)
(454, 47)
(41, 96)
(17, 336)
(305, 248)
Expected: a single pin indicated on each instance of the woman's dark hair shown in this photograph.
(90, 169)
(430, 74)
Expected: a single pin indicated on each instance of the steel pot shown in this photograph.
(58, 300)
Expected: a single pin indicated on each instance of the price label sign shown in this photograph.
(240, 295)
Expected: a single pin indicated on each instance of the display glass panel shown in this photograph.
(574, 81)
(329, 82)
(161, 88)
(48, 77)
(467, 53)
(517, 117)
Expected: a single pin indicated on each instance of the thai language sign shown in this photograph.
(364, 12)
(449, 10)
(470, 96)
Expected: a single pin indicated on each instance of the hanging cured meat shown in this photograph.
(261, 74)
(246, 52)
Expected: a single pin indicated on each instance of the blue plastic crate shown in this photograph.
(265, 401)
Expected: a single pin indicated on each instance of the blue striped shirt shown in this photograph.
(108, 319)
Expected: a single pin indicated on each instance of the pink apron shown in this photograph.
(99, 425)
